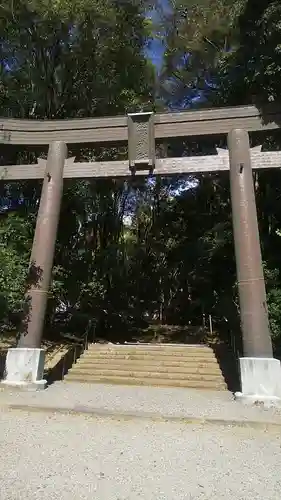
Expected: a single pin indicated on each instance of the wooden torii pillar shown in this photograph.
(25, 363)
(260, 372)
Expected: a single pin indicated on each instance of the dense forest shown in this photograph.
(131, 253)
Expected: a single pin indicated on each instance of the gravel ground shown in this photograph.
(167, 402)
(63, 457)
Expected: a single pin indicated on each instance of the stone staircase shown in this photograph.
(167, 365)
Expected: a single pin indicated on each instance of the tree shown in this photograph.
(227, 53)
(65, 59)
(199, 36)
(173, 261)
(61, 60)
(254, 69)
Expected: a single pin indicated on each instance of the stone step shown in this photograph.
(163, 347)
(148, 354)
(180, 365)
(158, 382)
(152, 355)
(162, 361)
(173, 367)
(148, 359)
(150, 348)
(119, 372)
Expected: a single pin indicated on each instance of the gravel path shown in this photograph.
(156, 401)
(63, 457)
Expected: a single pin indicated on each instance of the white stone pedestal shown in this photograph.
(24, 369)
(260, 381)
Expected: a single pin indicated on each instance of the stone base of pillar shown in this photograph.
(260, 381)
(24, 369)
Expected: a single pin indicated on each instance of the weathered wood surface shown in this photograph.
(165, 166)
(108, 130)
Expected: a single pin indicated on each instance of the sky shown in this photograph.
(157, 48)
(156, 52)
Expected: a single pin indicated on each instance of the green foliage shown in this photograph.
(272, 277)
(14, 255)
(235, 46)
(73, 58)
(173, 262)
(255, 67)
(200, 35)
(69, 59)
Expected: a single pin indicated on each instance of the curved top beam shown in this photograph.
(108, 130)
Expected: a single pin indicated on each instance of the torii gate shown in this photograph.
(260, 372)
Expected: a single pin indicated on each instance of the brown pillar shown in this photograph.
(42, 254)
(251, 286)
